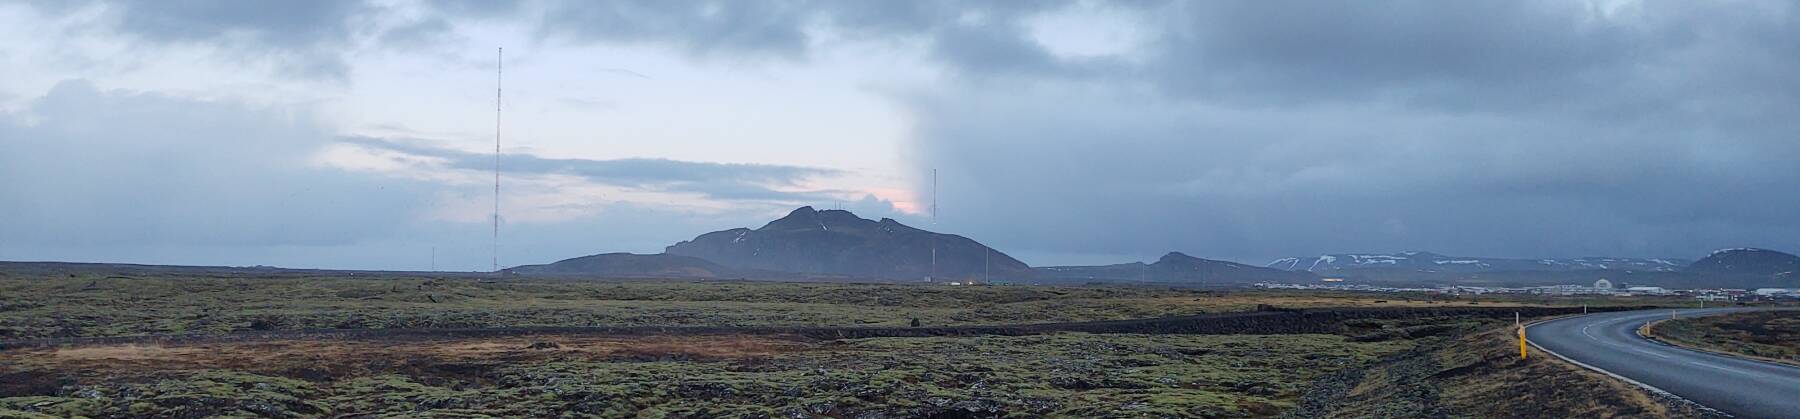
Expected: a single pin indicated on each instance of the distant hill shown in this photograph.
(1432, 262)
(1748, 261)
(629, 265)
(839, 242)
(1176, 268)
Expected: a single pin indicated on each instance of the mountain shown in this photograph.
(629, 265)
(1748, 261)
(838, 242)
(1176, 267)
(1432, 262)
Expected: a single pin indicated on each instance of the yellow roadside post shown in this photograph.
(1521, 334)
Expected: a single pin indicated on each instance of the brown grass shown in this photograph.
(1481, 375)
(123, 353)
(1772, 336)
(283, 355)
(1499, 384)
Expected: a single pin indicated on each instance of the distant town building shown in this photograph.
(1715, 297)
(1603, 284)
(1647, 290)
(1332, 279)
(1769, 292)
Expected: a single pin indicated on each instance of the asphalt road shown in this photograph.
(1609, 341)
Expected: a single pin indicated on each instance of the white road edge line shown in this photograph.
(1651, 388)
(1650, 353)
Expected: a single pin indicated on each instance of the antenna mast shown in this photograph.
(499, 71)
(934, 210)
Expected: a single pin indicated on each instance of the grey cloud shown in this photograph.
(436, 25)
(724, 181)
(421, 33)
(300, 37)
(119, 176)
(995, 49)
(308, 38)
(478, 8)
(781, 29)
(1499, 56)
(874, 18)
(1261, 129)
(1365, 51)
(626, 72)
(303, 39)
(293, 24)
(1662, 158)
(1271, 128)
(97, 168)
(704, 28)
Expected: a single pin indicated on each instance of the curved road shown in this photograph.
(1609, 342)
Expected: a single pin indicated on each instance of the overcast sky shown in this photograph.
(360, 134)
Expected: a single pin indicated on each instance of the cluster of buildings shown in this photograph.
(1339, 285)
(1759, 294)
(1600, 287)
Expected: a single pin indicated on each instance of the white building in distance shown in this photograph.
(1647, 290)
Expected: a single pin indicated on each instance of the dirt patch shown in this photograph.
(696, 347)
(328, 355)
(123, 353)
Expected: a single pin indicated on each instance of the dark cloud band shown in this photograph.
(724, 181)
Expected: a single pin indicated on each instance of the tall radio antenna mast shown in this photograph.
(499, 71)
(934, 234)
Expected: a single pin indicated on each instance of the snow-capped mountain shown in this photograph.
(1432, 262)
(1748, 261)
